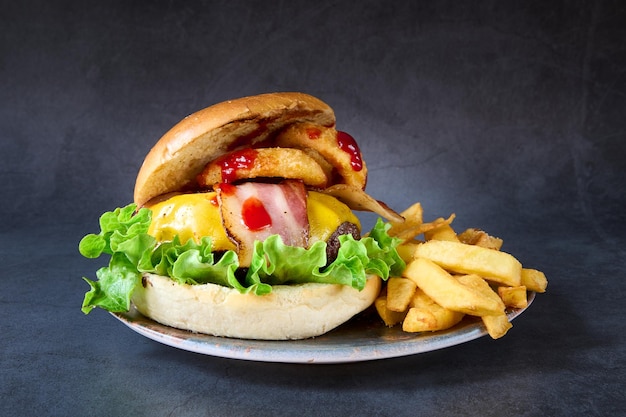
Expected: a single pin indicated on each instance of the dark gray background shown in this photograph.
(509, 114)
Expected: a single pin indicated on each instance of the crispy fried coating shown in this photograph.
(264, 163)
(324, 140)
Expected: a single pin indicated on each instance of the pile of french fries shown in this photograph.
(450, 275)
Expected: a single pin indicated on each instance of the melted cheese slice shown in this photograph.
(190, 216)
(326, 214)
(193, 216)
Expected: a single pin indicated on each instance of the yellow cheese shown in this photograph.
(326, 213)
(190, 216)
(193, 216)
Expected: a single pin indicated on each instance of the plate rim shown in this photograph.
(313, 350)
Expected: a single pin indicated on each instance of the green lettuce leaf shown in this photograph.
(194, 263)
(124, 236)
(275, 263)
(116, 226)
(114, 287)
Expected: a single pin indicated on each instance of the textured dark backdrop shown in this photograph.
(509, 114)
(464, 108)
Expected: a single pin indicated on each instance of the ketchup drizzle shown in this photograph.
(234, 161)
(254, 214)
(227, 189)
(348, 144)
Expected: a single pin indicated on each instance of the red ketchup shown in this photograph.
(254, 215)
(348, 144)
(232, 162)
(227, 189)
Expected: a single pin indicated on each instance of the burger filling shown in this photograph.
(184, 238)
(259, 217)
(255, 211)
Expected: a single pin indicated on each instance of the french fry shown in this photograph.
(414, 213)
(514, 297)
(493, 265)
(442, 232)
(399, 293)
(435, 224)
(413, 216)
(534, 280)
(416, 230)
(426, 315)
(407, 249)
(497, 325)
(477, 283)
(447, 291)
(413, 224)
(390, 318)
(480, 238)
(491, 280)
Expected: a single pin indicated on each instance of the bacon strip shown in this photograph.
(254, 211)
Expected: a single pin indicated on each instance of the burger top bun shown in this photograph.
(199, 138)
(288, 312)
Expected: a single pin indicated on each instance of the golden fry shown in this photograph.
(534, 280)
(399, 293)
(447, 291)
(442, 232)
(390, 318)
(497, 325)
(469, 259)
(416, 230)
(479, 284)
(514, 297)
(407, 249)
(426, 315)
(413, 217)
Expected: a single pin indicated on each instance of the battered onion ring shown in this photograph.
(324, 141)
(264, 163)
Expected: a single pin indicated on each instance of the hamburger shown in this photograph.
(243, 226)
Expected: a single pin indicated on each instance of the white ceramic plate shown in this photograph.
(361, 339)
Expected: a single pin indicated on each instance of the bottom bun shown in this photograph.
(288, 312)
